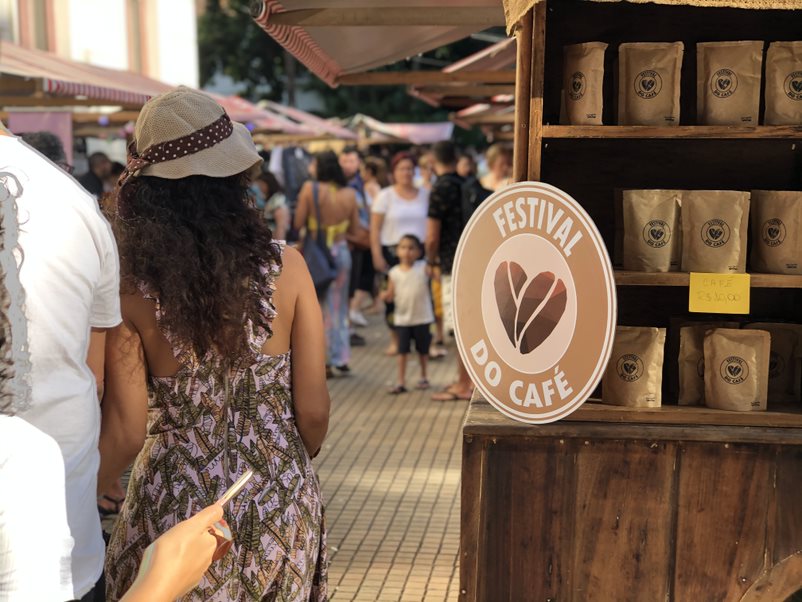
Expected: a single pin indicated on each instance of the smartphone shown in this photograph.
(232, 491)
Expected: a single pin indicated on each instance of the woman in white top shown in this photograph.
(398, 210)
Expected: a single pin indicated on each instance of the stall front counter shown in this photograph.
(612, 503)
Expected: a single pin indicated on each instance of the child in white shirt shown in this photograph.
(408, 287)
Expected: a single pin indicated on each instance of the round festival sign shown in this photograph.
(534, 302)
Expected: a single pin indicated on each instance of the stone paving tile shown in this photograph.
(390, 473)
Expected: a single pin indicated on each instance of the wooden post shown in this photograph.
(538, 60)
(523, 81)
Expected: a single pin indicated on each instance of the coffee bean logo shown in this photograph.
(734, 370)
(793, 86)
(648, 84)
(629, 367)
(656, 233)
(776, 365)
(724, 83)
(578, 86)
(715, 233)
(530, 309)
(773, 232)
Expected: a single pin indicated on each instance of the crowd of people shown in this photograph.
(185, 339)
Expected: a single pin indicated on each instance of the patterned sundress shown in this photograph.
(197, 445)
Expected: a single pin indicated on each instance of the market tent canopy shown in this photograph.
(257, 118)
(333, 38)
(374, 131)
(499, 57)
(33, 77)
(514, 10)
(311, 123)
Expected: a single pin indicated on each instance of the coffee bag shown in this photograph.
(784, 84)
(783, 370)
(737, 369)
(691, 361)
(652, 232)
(649, 83)
(634, 375)
(714, 231)
(583, 79)
(776, 231)
(728, 82)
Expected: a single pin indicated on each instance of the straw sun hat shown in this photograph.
(184, 133)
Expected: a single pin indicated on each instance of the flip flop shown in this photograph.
(448, 395)
(397, 390)
(422, 385)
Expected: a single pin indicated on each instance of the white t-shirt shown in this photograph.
(70, 273)
(401, 216)
(412, 295)
(35, 539)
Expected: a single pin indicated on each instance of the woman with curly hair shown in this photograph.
(218, 364)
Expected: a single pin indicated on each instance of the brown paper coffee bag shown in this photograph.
(776, 231)
(783, 370)
(692, 361)
(784, 84)
(728, 82)
(652, 232)
(649, 83)
(583, 80)
(737, 369)
(714, 231)
(634, 375)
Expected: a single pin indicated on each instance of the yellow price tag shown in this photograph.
(719, 293)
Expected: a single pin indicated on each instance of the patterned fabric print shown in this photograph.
(279, 551)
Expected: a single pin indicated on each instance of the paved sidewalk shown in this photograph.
(390, 472)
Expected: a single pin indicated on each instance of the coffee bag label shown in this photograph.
(656, 233)
(578, 86)
(773, 232)
(724, 83)
(648, 84)
(734, 370)
(793, 86)
(629, 367)
(530, 274)
(715, 233)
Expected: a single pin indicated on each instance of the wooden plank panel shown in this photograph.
(789, 132)
(536, 93)
(460, 91)
(387, 16)
(788, 507)
(724, 497)
(421, 78)
(528, 505)
(624, 522)
(471, 516)
(624, 278)
(523, 71)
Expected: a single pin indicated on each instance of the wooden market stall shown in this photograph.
(611, 503)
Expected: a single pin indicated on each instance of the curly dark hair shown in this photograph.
(200, 246)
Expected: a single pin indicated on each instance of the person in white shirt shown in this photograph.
(408, 288)
(69, 271)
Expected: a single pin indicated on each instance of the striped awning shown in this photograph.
(350, 44)
(63, 78)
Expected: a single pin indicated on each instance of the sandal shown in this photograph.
(104, 512)
(422, 385)
(397, 390)
(437, 351)
(450, 394)
(345, 368)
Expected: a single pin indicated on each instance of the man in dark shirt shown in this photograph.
(99, 170)
(444, 228)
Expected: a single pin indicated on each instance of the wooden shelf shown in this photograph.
(624, 278)
(682, 131)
